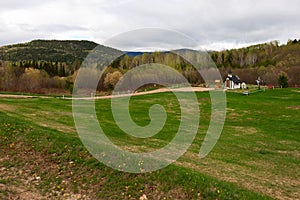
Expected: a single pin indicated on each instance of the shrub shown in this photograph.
(283, 81)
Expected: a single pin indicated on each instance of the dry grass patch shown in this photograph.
(293, 107)
(8, 108)
(258, 175)
(240, 130)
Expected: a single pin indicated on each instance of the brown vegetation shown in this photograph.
(29, 80)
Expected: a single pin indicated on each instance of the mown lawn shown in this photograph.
(256, 157)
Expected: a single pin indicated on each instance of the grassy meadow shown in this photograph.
(256, 157)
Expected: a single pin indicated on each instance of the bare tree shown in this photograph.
(111, 79)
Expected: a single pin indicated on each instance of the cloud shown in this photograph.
(213, 24)
(17, 4)
(151, 39)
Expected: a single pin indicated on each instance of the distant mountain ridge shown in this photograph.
(69, 51)
(139, 53)
(66, 51)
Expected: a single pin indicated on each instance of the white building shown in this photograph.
(232, 81)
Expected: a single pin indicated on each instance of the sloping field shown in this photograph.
(256, 157)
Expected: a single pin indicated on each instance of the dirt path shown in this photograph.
(185, 89)
(20, 96)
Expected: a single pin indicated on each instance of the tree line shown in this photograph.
(61, 69)
(270, 61)
(30, 80)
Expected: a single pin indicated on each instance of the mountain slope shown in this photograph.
(66, 51)
(266, 54)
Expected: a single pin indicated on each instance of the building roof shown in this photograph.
(234, 78)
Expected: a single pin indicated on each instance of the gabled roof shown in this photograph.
(234, 78)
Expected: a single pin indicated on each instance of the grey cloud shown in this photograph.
(213, 21)
(153, 38)
(206, 21)
(17, 4)
(60, 28)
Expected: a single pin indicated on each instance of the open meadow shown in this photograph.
(256, 157)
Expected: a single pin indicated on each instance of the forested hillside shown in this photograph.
(66, 51)
(48, 64)
(56, 57)
(267, 61)
(40, 65)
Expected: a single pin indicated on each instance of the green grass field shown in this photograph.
(256, 157)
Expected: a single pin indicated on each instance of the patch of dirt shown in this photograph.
(22, 193)
(244, 130)
(18, 183)
(236, 115)
(57, 126)
(8, 108)
(293, 107)
(286, 142)
(48, 119)
(27, 173)
(293, 153)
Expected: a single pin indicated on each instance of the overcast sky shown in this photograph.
(213, 24)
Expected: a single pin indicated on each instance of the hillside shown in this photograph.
(66, 51)
(52, 64)
(45, 66)
(288, 54)
(266, 54)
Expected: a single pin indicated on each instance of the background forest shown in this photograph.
(50, 66)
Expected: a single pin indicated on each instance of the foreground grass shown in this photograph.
(258, 150)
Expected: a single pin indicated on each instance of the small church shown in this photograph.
(232, 81)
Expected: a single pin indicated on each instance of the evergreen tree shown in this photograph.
(283, 81)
